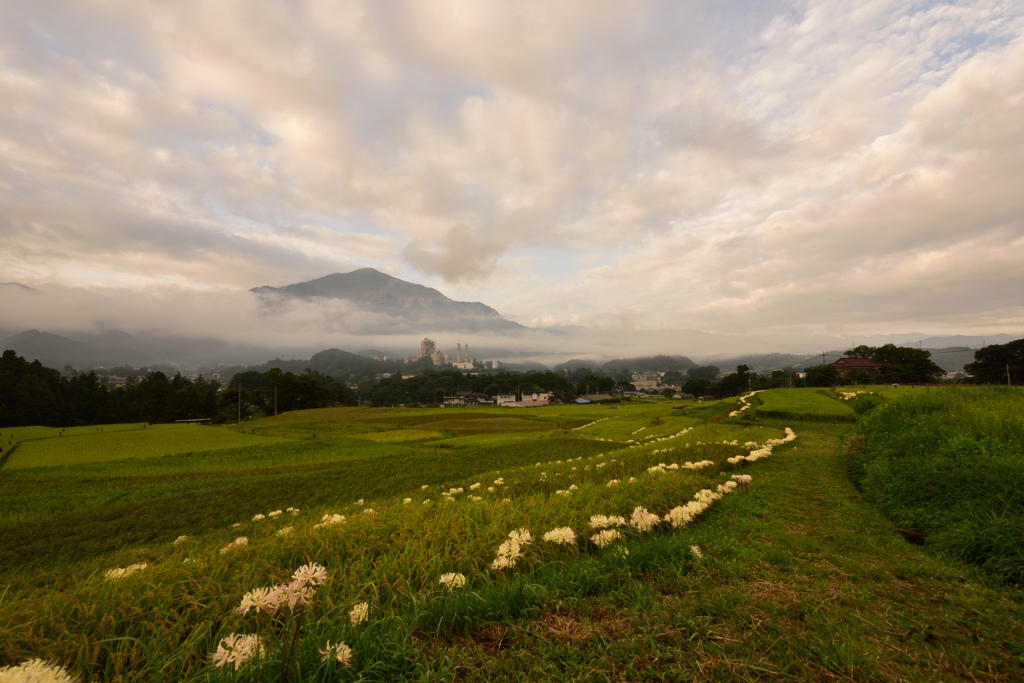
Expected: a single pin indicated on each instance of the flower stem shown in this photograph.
(288, 655)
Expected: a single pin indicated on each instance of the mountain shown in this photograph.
(55, 351)
(393, 305)
(15, 285)
(114, 348)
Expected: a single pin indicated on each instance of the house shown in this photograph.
(473, 397)
(594, 398)
(847, 365)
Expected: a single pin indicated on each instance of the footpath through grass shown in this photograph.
(800, 580)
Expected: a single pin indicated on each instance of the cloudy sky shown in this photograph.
(799, 168)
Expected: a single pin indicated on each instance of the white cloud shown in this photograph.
(705, 165)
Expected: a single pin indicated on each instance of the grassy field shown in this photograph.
(791, 575)
(82, 446)
(803, 404)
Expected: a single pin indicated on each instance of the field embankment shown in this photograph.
(947, 466)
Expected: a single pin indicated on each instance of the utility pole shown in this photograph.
(239, 403)
(822, 357)
(275, 400)
(1007, 374)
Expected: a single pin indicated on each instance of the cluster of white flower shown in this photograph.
(36, 670)
(642, 520)
(284, 531)
(662, 468)
(369, 511)
(603, 522)
(698, 465)
(359, 614)
(236, 649)
(745, 406)
(329, 520)
(656, 438)
(589, 424)
(605, 537)
(340, 652)
(562, 536)
(511, 549)
(259, 517)
(454, 491)
(121, 572)
(742, 479)
(847, 395)
(759, 451)
(684, 514)
(299, 592)
(180, 539)
(452, 580)
(237, 543)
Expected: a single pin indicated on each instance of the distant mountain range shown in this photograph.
(113, 348)
(85, 350)
(396, 305)
(368, 303)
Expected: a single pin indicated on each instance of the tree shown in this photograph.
(709, 372)
(992, 363)
(907, 364)
(902, 363)
(698, 387)
(822, 376)
(735, 383)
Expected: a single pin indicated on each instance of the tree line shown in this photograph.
(32, 394)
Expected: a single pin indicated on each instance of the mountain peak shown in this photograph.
(406, 306)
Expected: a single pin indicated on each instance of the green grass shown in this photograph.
(799, 578)
(948, 467)
(802, 404)
(87, 445)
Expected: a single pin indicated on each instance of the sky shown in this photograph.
(779, 171)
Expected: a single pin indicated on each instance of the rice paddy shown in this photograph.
(453, 543)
